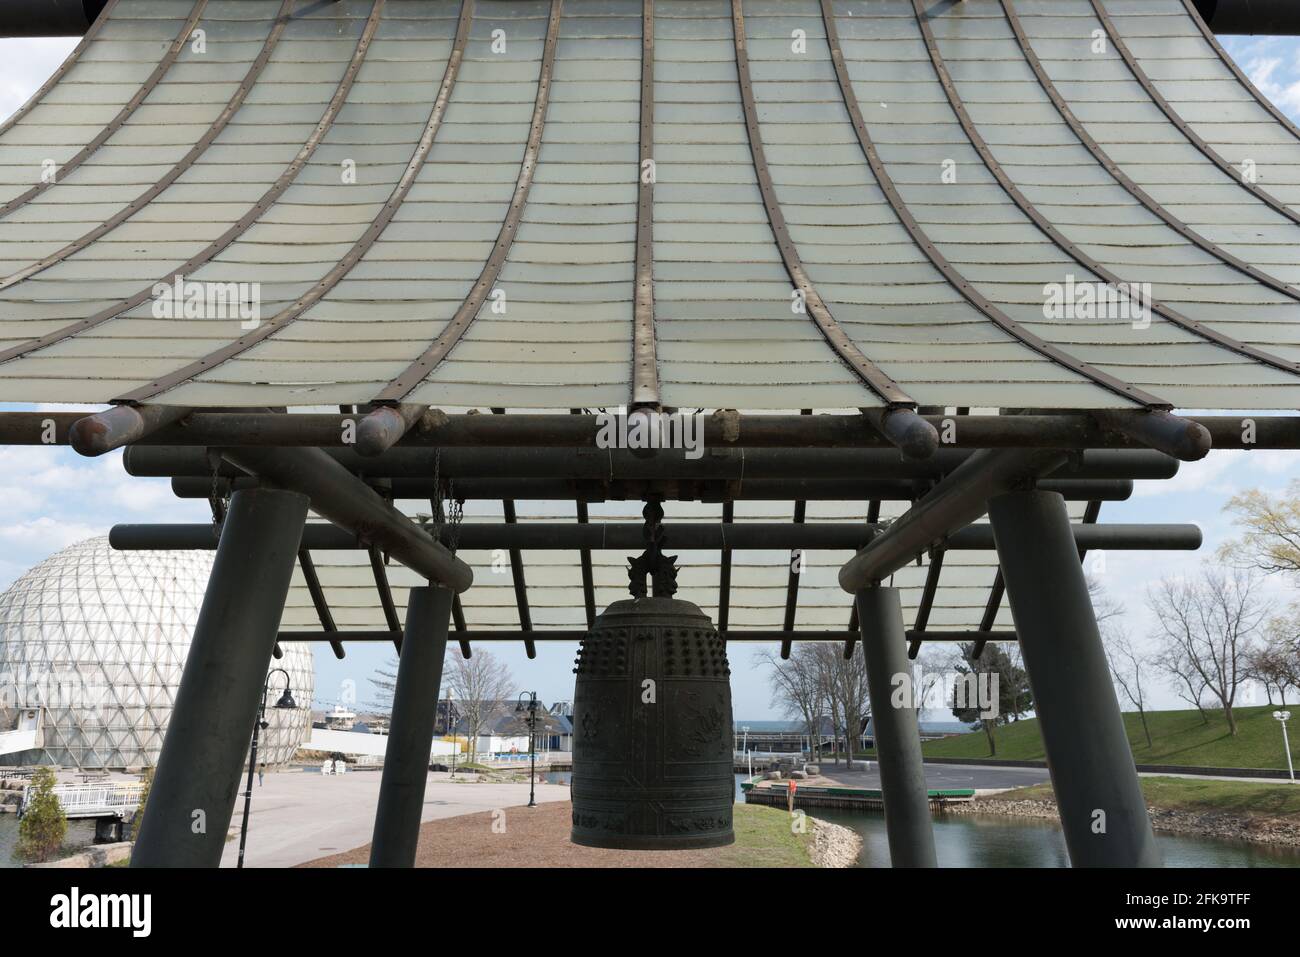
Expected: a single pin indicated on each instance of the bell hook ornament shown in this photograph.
(652, 754)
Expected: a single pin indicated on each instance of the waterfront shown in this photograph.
(961, 841)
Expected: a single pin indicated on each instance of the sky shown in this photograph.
(51, 497)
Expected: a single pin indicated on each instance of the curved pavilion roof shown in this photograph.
(914, 172)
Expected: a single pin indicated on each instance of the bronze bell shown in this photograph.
(652, 745)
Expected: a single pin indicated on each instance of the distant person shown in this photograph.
(789, 794)
(261, 774)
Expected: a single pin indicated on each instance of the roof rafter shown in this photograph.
(210, 252)
(460, 322)
(115, 124)
(1174, 117)
(645, 362)
(1133, 189)
(358, 250)
(69, 62)
(140, 202)
(883, 385)
(958, 281)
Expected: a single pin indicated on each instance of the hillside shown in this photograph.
(1178, 737)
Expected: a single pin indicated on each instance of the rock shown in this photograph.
(834, 846)
(812, 769)
(798, 775)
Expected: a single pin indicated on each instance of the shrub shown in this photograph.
(44, 825)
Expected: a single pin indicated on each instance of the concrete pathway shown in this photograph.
(940, 776)
(299, 816)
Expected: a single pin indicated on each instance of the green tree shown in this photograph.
(998, 676)
(44, 825)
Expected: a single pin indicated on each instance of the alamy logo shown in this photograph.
(651, 430)
(188, 299)
(74, 910)
(1126, 301)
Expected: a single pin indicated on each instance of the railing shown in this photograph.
(118, 799)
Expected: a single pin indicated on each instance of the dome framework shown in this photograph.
(96, 639)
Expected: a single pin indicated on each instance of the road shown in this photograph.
(299, 816)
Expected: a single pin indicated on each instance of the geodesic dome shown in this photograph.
(96, 640)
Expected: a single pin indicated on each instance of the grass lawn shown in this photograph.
(764, 839)
(1177, 737)
(1238, 798)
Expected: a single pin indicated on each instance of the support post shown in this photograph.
(1102, 810)
(415, 708)
(197, 778)
(898, 737)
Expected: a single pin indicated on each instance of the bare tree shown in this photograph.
(385, 687)
(1207, 627)
(844, 683)
(1276, 663)
(797, 689)
(477, 684)
(1129, 667)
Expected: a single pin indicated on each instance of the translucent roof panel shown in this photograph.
(727, 203)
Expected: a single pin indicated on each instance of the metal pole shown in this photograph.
(197, 778)
(1286, 743)
(1102, 810)
(410, 736)
(898, 738)
(252, 764)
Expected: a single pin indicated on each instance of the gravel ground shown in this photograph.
(539, 837)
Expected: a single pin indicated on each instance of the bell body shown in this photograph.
(652, 747)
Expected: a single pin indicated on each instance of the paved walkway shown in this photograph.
(937, 776)
(300, 816)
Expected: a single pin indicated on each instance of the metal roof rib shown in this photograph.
(169, 57)
(1039, 220)
(1231, 64)
(645, 362)
(459, 323)
(1183, 127)
(914, 229)
(223, 119)
(1136, 191)
(354, 255)
(63, 69)
(210, 252)
(875, 379)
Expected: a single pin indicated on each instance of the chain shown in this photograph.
(218, 502)
(447, 509)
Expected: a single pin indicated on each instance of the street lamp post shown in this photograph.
(286, 702)
(531, 707)
(1283, 717)
(455, 744)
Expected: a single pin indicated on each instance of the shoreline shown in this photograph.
(834, 845)
(1255, 829)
